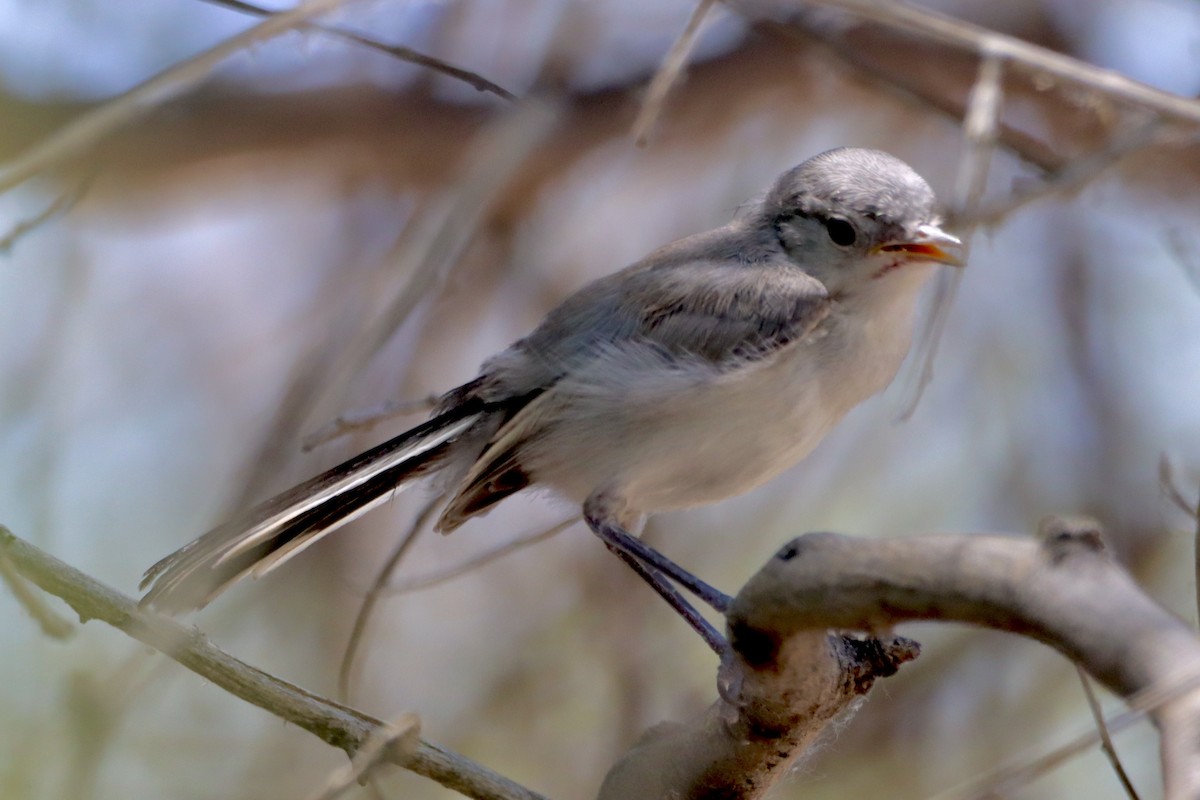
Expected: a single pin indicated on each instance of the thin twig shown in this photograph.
(475, 562)
(339, 725)
(394, 740)
(436, 239)
(1170, 487)
(88, 128)
(1030, 57)
(1166, 480)
(1106, 743)
(363, 617)
(979, 143)
(1007, 779)
(52, 624)
(668, 74)
(361, 421)
(397, 51)
(909, 89)
(1071, 178)
(61, 205)
(1185, 252)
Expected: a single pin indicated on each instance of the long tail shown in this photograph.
(270, 533)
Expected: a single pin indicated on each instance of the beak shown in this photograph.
(930, 243)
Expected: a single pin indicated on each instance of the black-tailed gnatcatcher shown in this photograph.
(697, 373)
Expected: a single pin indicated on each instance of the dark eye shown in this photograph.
(841, 232)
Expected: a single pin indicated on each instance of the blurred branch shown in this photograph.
(395, 739)
(668, 74)
(1186, 253)
(1154, 106)
(439, 235)
(90, 127)
(52, 624)
(918, 93)
(419, 582)
(363, 617)
(1170, 487)
(1024, 55)
(979, 129)
(1166, 480)
(1070, 178)
(1106, 743)
(362, 421)
(474, 79)
(1027, 770)
(63, 203)
(1061, 590)
(339, 725)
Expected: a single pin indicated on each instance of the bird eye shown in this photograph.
(841, 232)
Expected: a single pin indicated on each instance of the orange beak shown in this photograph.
(930, 243)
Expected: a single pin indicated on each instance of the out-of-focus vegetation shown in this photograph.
(227, 246)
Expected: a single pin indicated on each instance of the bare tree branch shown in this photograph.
(979, 129)
(359, 421)
(363, 617)
(394, 740)
(339, 725)
(473, 79)
(1106, 743)
(52, 624)
(1061, 590)
(90, 127)
(1021, 54)
(418, 582)
(775, 702)
(61, 204)
(668, 74)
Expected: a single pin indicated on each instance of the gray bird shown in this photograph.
(695, 374)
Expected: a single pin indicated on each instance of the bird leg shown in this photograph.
(711, 636)
(656, 569)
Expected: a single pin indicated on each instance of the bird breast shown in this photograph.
(665, 433)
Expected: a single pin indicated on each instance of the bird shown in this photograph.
(695, 374)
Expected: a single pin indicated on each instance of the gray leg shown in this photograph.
(711, 636)
(655, 569)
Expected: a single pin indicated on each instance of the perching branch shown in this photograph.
(339, 725)
(1061, 590)
(786, 680)
(774, 703)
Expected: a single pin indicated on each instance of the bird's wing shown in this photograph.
(727, 314)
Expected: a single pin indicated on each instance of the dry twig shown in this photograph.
(52, 624)
(394, 740)
(668, 74)
(979, 129)
(1062, 591)
(363, 617)
(1106, 743)
(418, 582)
(1022, 55)
(339, 725)
(361, 421)
(61, 204)
(468, 77)
(86, 130)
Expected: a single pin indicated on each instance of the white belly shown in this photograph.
(665, 437)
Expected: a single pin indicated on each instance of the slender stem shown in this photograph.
(337, 724)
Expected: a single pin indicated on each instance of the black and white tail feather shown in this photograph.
(274, 531)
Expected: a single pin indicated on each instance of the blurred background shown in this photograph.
(205, 289)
